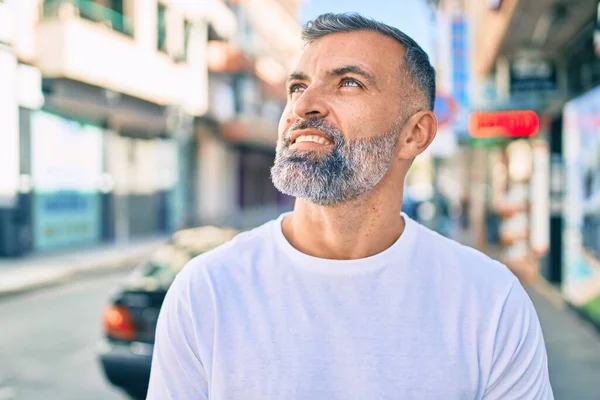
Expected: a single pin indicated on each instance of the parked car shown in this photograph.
(129, 319)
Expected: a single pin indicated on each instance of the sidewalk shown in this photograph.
(19, 275)
(573, 347)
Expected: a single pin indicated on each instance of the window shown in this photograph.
(161, 22)
(117, 5)
(187, 31)
(118, 19)
(107, 12)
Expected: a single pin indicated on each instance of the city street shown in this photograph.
(48, 340)
(125, 124)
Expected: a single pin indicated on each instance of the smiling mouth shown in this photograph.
(312, 139)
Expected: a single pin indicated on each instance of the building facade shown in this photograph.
(542, 56)
(236, 143)
(135, 117)
(21, 83)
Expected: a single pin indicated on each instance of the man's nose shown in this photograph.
(310, 104)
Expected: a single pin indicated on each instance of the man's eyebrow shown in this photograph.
(297, 76)
(354, 69)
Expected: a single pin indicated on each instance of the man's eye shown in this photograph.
(349, 82)
(295, 88)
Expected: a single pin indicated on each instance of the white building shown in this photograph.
(137, 117)
(122, 80)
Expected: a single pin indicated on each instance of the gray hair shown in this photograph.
(416, 59)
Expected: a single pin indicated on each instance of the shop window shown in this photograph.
(117, 5)
(187, 31)
(161, 27)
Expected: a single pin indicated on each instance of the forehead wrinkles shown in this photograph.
(374, 50)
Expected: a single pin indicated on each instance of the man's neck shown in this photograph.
(361, 229)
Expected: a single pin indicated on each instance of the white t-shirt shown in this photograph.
(256, 319)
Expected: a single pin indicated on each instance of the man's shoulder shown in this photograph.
(462, 261)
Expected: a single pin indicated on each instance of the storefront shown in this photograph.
(9, 126)
(581, 233)
(143, 173)
(91, 185)
(66, 168)
(519, 204)
(9, 146)
(581, 73)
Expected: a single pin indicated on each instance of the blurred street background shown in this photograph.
(125, 121)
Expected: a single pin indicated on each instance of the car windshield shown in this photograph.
(159, 271)
(167, 261)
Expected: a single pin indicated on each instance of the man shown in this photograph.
(345, 298)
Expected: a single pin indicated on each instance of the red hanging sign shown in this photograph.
(496, 124)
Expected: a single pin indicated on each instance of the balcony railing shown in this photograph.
(90, 10)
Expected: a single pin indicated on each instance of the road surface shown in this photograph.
(48, 341)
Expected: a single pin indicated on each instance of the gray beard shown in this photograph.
(351, 169)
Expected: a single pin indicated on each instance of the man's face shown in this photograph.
(339, 130)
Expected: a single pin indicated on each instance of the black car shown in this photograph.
(129, 320)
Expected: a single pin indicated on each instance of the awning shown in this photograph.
(543, 25)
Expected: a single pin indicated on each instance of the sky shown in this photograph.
(410, 16)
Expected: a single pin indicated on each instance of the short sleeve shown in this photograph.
(519, 368)
(177, 370)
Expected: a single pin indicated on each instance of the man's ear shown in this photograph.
(416, 135)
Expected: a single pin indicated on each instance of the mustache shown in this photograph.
(327, 129)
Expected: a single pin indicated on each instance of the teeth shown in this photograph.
(313, 138)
